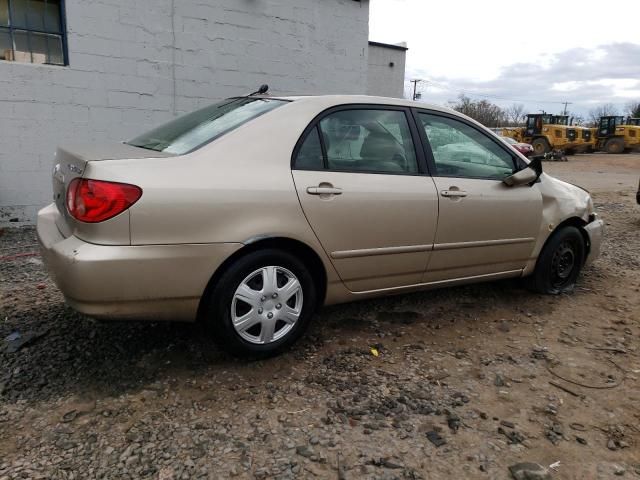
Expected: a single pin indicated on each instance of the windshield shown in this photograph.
(193, 130)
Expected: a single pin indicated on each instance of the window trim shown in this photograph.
(11, 29)
(429, 152)
(423, 169)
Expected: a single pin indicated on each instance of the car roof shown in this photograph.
(325, 100)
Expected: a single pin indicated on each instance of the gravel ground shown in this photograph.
(460, 386)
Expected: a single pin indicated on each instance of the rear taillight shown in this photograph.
(95, 201)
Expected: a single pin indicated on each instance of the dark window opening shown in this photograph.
(33, 31)
(310, 154)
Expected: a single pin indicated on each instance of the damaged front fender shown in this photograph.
(563, 203)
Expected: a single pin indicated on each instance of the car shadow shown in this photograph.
(73, 355)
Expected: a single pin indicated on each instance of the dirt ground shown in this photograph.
(499, 374)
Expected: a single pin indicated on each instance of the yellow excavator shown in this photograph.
(615, 135)
(546, 133)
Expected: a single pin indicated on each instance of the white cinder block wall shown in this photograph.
(135, 64)
(386, 69)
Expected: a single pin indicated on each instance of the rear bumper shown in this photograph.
(595, 230)
(146, 282)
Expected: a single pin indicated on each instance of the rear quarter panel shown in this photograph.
(235, 189)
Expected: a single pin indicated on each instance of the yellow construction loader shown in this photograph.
(546, 133)
(586, 139)
(615, 135)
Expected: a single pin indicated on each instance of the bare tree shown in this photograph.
(515, 113)
(632, 109)
(606, 110)
(485, 112)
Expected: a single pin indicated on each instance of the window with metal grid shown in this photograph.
(33, 31)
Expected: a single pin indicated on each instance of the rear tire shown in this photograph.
(540, 146)
(614, 145)
(261, 304)
(559, 263)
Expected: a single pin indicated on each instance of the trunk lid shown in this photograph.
(71, 162)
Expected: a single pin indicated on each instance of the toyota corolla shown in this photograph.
(251, 213)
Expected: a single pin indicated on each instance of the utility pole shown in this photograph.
(415, 84)
(565, 107)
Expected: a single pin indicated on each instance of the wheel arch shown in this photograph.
(300, 249)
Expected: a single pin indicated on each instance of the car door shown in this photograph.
(484, 226)
(363, 186)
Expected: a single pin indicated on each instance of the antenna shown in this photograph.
(264, 88)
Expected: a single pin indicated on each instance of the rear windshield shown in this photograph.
(193, 130)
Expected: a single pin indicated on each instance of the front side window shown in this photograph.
(460, 150)
(195, 129)
(32, 31)
(366, 140)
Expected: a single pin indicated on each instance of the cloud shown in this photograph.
(585, 77)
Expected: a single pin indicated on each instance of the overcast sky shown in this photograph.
(585, 52)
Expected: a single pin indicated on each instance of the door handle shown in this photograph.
(453, 193)
(324, 191)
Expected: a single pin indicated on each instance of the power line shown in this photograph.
(494, 97)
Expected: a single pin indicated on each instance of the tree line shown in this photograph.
(492, 115)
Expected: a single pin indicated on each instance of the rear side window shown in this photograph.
(310, 153)
(369, 141)
(193, 130)
(360, 140)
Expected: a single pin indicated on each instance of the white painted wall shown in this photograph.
(135, 64)
(383, 79)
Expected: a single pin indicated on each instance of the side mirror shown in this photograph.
(528, 175)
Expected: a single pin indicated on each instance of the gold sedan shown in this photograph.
(251, 213)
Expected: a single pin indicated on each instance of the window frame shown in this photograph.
(516, 161)
(11, 29)
(418, 147)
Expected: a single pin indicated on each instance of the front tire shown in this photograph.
(559, 263)
(614, 145)
(541, 146)
(261, 304)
